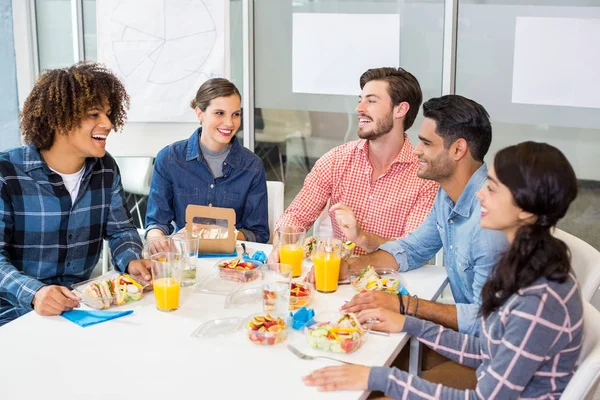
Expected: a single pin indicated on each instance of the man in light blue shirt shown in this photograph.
(454, 138)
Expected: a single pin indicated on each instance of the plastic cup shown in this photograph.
(276, 285)
(291, 247)
(327, 258)
(166, 279)
(157, 244)
(186, 246)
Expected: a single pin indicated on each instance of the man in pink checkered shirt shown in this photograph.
(374, 178)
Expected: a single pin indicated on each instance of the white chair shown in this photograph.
(585, 261)
(136, 175)
(585, 381)
(275, 192)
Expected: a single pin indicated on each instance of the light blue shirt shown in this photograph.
(470, 252)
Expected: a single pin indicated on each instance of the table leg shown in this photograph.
(414, 362)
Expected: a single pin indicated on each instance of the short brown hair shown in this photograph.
(211, 89)
(402, 86)
(61, 98)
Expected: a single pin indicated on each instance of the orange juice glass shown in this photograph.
(166, 279)
(327, 257)
(290, 240)
(166, 294)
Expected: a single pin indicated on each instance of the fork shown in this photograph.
(303, 356)
(245, 253)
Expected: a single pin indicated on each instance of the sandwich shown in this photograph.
(350, 321)
(104, 293)
(311, 241)
(96, 297)
(309, 244)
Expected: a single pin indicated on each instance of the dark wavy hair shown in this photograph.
(457, 117)
(61, 98)
(542, 182)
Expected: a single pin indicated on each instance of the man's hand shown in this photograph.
(274, 256)
(345, 377)
(373, 299)
(347, 221)
(140, 270)
(382, 320)
(54, 300)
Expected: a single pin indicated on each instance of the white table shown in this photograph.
(151, 355)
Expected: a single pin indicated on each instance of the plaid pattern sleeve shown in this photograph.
(529, 348)
(15, 288)
(45, 238)
(456, 346)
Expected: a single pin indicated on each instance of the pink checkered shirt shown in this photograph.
(392, 206)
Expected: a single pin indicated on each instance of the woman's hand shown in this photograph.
(156, 242)
(382, 320)
(345, 377)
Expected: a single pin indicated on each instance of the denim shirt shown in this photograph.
(470, 252)
(182, 177)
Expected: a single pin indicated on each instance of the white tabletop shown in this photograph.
(151, 355)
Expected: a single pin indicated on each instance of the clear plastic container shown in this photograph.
(389, 281)
(244, 297)
(272, 335)
(218, 328)
(109, 290)
(326, 333)
(240, 271)
(214, 284)
(301, 295)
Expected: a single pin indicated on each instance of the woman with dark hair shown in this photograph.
(532, 314)
(210, 168)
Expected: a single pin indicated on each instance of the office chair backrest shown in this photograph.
(136, 174)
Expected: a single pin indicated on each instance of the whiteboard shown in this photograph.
(163, 50)
(557, 62)
(330, 51)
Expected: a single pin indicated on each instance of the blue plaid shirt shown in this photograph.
(47, 240)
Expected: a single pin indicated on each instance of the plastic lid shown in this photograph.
(214, 284)
(219, 327)
(244, 297)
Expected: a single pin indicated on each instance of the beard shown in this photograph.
(382, 127)
(437, 169)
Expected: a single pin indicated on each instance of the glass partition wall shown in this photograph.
(533, 64)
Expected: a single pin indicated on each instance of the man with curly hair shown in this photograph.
(61, 193)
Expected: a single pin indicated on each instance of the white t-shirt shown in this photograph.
(72, 182)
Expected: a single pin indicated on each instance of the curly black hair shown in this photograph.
(61, 98)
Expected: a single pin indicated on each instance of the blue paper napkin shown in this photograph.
(215, 255)
(302, 317)
(85, 318)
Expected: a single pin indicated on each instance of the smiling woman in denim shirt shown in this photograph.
(210, 169)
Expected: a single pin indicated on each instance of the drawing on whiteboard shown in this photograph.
(163, 50)
(165, 38)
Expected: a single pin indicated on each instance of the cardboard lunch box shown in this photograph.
(214, 225)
